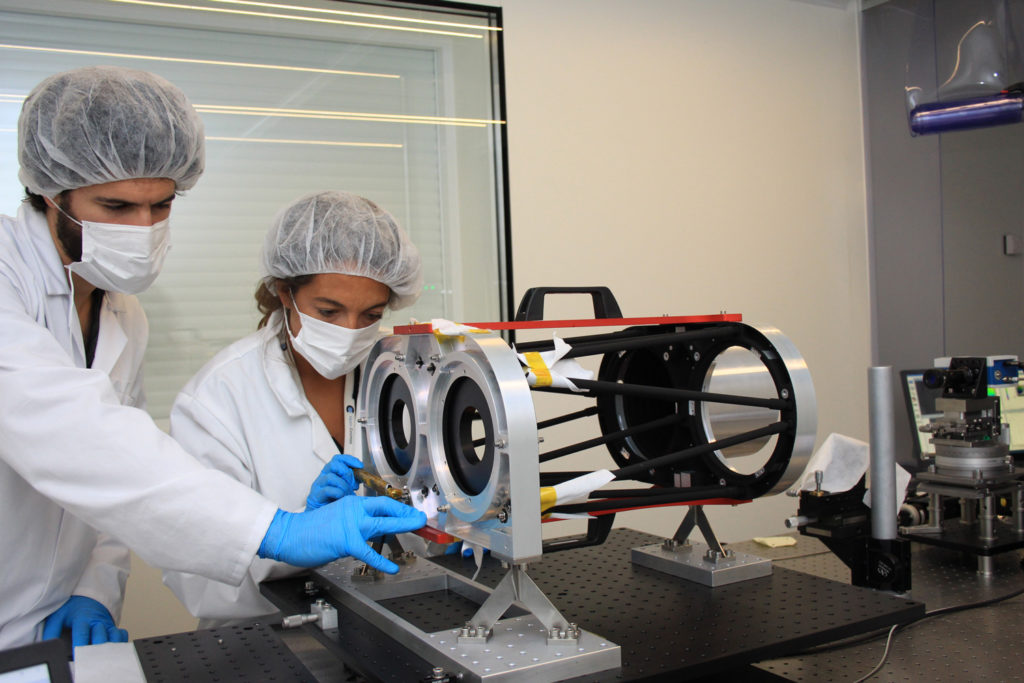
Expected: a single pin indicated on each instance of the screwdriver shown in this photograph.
(378, 485)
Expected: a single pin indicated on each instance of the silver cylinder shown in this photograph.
(987, 517)
(1018, 510)
(883, 453)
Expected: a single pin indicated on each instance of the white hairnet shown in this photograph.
(101, 124)
(339, 232)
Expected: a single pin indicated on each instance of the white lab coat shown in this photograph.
(246, 414)
(75, 452)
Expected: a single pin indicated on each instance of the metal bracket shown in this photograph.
(695, 517)
(517, 586)
(711, 565)
(399, 555)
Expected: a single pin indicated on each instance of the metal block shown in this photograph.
(690, 562)
(518, 650)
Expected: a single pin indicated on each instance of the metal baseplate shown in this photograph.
(698, 563)
(513, 649)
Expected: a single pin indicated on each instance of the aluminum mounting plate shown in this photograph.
(687, 562)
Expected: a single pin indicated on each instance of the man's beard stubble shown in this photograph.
(69, 234)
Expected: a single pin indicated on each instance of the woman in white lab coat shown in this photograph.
(274, 409)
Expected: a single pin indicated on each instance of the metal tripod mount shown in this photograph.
(709, 563)
(517, 586)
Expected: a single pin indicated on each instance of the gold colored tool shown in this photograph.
(378, 485)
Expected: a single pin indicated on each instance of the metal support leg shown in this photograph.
(1018, 510)
(696, 517)
(714, 566)
(986, 532)
(968, 511)
(935, 510)
(399, 555)
(934, 523)
(517, 586)
(986, 519)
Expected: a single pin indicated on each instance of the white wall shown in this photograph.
(694, 156)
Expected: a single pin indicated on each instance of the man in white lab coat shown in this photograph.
(103, 152)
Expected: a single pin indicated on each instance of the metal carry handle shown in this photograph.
(532, 305)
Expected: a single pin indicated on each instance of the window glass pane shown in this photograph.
(395, 103)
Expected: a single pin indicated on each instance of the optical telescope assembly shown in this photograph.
(447, 422)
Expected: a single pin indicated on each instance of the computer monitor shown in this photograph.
(42, 662)
(1011, 411)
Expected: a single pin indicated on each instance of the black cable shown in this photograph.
(934, 613)
(875, 635)
(973, 605)
(885, 656)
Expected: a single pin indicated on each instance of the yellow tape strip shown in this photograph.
(548, 497)
(461, 337)
(442, 336)
(539, 368)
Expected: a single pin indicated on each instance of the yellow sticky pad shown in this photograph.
(776, 541)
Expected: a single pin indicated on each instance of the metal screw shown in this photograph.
(696, 355)
(361, 420)
(400, 357)
(503, 515)
(500, 443)
(443, 508)
(436, 358)
(784, 393)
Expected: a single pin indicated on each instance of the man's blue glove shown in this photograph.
(89, 621)
(339, 529)
(335, 481)
(462, 548)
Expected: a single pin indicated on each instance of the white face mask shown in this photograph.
(121, 258)
(332, 350)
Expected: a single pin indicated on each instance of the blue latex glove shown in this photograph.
(89, 621)
(335, 481)
(460, 548)
(339, 529)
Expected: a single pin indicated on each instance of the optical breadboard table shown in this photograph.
(668, 628)
(969, 645)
